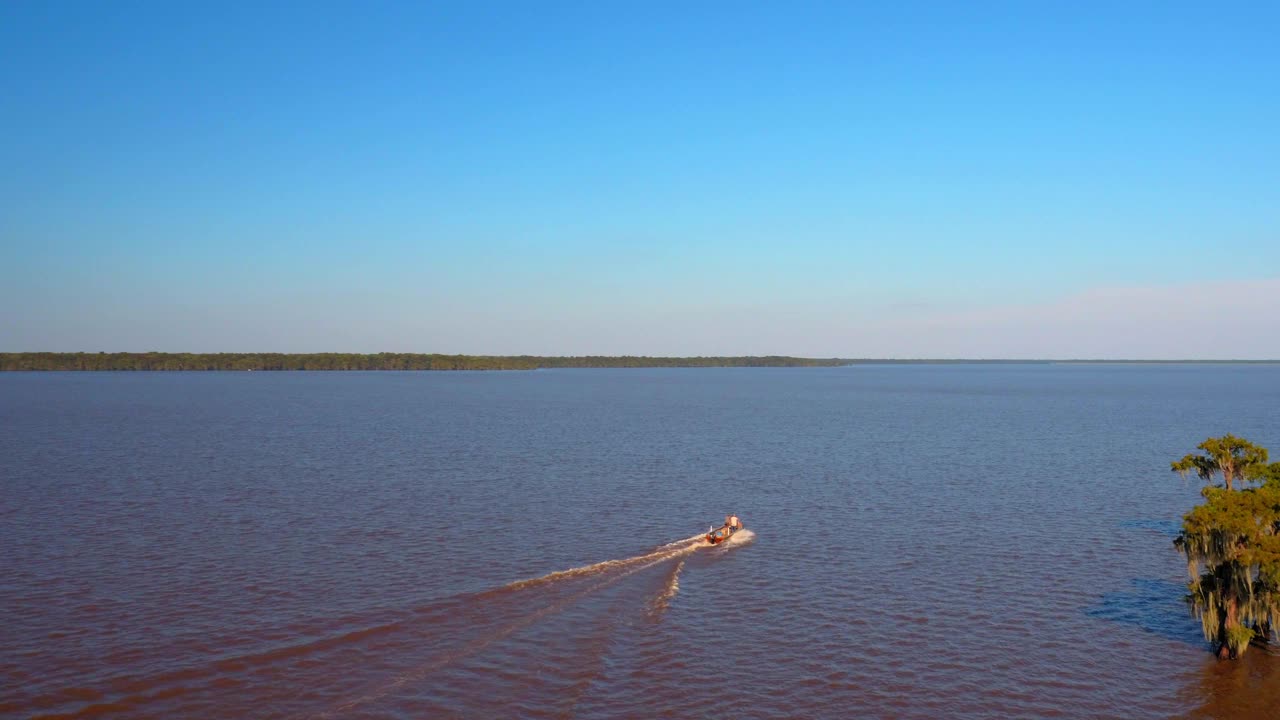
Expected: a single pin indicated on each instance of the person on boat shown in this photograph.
(733, 523)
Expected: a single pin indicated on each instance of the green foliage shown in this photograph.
(1238, 639)
(379, 361)
(1232, 546)
(1268, 475)
(1229, 456)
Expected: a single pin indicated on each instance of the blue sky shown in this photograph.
(909, 179)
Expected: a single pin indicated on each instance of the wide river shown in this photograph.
(937, 541)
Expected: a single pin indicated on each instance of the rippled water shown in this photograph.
(927, 541)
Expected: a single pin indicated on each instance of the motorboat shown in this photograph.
(721, 534)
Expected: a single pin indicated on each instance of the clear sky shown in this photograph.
(942, 179)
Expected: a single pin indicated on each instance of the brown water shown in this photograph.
(932, 541)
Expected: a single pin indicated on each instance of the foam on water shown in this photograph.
(608, 573)
(662, 552)
(662, 600)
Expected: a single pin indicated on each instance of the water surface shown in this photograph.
(966, 541)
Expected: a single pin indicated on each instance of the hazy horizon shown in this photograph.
(921, 181)
(850, 360)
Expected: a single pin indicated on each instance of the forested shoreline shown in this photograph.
(159, 361)
(37, 361)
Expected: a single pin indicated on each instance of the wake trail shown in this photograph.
(626, 568)
(661, 552)
(658, 605)
(136, 689)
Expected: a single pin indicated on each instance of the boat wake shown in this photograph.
(658, 605)
(581, 582)
(662, 552)
(412, 644)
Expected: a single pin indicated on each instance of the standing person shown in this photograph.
(733, 522)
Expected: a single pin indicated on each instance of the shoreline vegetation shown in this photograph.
(1232, 544)
(158, 361)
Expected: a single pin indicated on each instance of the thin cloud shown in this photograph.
(1225, 320)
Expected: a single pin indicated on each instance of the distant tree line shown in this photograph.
(378, 361)
(434, 361)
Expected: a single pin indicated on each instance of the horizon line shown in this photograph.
(527, 356)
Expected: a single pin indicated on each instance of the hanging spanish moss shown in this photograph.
(1232, 546)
